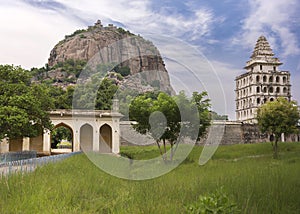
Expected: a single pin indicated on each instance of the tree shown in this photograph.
(96, 93)
(59, 134)
(168, 118)
(216, 116)
(203, 104)
(277, 117)
(23, 107)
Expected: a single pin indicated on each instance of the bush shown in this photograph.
(215, 203)
(123, 70)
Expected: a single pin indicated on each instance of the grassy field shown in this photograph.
(247, 173)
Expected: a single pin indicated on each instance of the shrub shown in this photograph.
(215, 203)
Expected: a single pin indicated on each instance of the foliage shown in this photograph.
(123, 70)
(96, 94)
(203, 104)
(59, 134)
(23, 107)
(214, 203)
(168, 118)
(277, 117)
(76, 33)
(155, 84)
(62, 99)
(122, 31)
(71, 66)
(216, 116)
(105, 94)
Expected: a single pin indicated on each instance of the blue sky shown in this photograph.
(221, 33)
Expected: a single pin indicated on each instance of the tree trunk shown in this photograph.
(275, 148)
(172, 151)
(165, 150)
(161, 153)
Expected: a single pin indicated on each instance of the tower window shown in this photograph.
(271, 79)
(274, 68)
(265, 89)
(265, 79)
(258, 101)
(257, 78)
(277, 79)
(284, 79)
(271, 90)
(277, 90)
(261, 67)
(258, 89)
(284, 90)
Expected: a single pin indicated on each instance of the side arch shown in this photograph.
(105, 141)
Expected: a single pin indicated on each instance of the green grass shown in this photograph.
(249, 175)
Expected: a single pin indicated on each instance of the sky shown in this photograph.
(205, 44)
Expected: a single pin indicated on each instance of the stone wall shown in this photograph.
(242, 133)
(234, 133)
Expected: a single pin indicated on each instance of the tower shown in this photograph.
(262, 82)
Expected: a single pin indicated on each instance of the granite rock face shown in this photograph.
(114, 46)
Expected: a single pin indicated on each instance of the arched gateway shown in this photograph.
(92, 130)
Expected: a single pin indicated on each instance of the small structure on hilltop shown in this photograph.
(262, 82)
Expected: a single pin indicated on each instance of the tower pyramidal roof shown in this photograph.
(263, 53)
(262, 48)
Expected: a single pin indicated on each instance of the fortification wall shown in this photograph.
(234, 133)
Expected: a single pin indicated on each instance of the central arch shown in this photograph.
(105, 139)
(62, 131)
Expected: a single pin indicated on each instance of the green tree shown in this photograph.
(168, 118)
(216, 116)
(97, 93)
(203, 105)
(59, 134)
(123, 70)
(277, 117)
(23, 107)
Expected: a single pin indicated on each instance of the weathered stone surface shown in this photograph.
(110, 45)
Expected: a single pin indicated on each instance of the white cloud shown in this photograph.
(139, 17)
(28, 34)
(274, 19)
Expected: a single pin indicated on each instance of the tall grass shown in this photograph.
(248, 174)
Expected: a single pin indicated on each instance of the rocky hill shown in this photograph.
(113, 47)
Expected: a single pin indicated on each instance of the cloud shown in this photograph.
(29, 33)
(33, 27)
(275, 19)
(140, 16)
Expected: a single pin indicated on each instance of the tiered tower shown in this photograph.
(262, 82)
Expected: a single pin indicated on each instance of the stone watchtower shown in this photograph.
(262, 82)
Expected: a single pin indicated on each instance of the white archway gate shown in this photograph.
(86, 126)
(93, 130)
